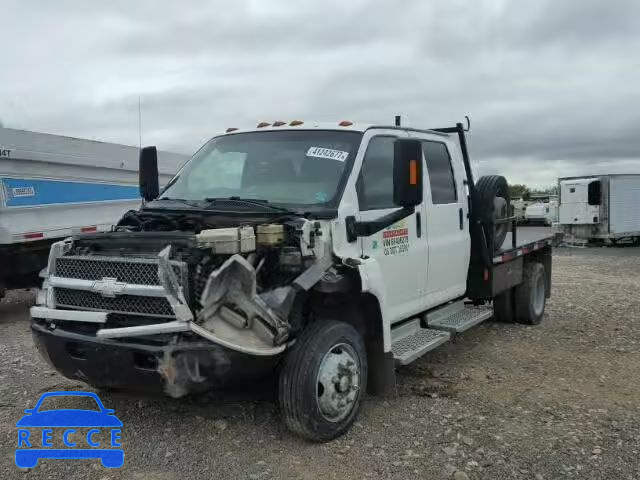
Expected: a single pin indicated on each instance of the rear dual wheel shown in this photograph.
(323, 380)
(524, 303)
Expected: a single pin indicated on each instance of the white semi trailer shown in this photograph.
(601, 207)
(52, 187)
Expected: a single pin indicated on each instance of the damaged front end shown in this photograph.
(216, 295)
(234, 315)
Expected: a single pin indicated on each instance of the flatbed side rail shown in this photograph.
(506, 270)
(522, 250)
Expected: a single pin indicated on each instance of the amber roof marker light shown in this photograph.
(296, 123)
(279, 123)
(345, 123)
(231, 129)
(263, 124)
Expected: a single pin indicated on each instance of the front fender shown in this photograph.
(373, 283)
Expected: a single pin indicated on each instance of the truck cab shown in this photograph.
(328, 253)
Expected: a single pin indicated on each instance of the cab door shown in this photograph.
(400, 249)
(447, 230)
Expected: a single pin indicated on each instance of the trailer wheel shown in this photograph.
(530, 295)
(503, 307)
(494, 204)
(323, 380)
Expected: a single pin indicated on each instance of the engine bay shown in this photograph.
(243, 277)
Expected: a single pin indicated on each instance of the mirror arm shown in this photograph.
(367, 228)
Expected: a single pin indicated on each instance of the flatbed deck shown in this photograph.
(527, 239)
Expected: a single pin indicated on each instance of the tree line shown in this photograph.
(519, 190)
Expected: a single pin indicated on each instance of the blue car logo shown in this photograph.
(35, 433)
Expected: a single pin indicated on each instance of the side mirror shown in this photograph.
(148, 180)
(407, 172)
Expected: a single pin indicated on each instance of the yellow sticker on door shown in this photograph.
(395, 238)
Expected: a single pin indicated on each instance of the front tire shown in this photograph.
(323, 380)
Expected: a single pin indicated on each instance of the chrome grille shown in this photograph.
(80, 299)
(141, 271)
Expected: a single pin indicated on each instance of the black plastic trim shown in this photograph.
(366, 228)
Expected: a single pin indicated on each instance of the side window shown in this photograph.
(375, 184)
(440, 173)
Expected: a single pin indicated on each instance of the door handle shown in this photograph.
(418, 225)
(460, 217)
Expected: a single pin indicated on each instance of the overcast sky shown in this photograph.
(552, 87)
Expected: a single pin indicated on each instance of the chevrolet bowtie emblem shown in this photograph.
(108, 287)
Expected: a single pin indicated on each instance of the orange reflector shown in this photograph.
(89, 229)
(279, 123)
(31, 236)
(231, 129)
(263, 124)
(295, 123)
(413, 172)
(345, 123)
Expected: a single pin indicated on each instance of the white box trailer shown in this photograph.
(52, 187)
(601, 207)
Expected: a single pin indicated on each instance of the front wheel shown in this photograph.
(323, 380)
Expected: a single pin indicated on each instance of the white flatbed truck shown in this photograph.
(328, 253)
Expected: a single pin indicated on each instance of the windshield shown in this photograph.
(302, 167)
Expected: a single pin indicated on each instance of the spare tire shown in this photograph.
(494, 203)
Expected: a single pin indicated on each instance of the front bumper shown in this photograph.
(189, 365)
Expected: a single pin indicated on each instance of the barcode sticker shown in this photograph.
(328, 153)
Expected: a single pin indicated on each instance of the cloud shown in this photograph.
(551, 86)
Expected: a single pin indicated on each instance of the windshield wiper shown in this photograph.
(254, 202)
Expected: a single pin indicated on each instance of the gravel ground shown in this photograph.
(560, 400)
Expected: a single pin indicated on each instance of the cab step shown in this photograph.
(458, 317)
(410, 341)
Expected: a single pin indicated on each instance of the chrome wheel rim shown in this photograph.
(338, 382)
